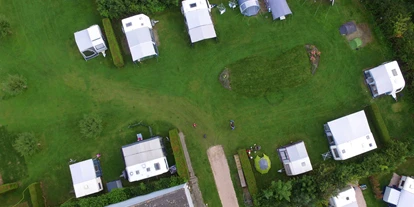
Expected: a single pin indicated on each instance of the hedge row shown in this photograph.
(179, 157)
(248, 172)
(36, 195)
(375, 117)
(8, 187)
(122, 194)
(113, 43)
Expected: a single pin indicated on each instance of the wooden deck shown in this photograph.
(240, 171)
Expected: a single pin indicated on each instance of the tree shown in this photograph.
(14, 84)
(5, 28)
(120, 8)
(91, 125)
(25, 144)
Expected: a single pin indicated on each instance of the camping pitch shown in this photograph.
(197, 17)
(249, 7)
(90, 42)
(140, 37)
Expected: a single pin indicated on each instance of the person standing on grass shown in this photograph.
(194, 125)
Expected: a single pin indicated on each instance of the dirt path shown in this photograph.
(193, 182)
(360, 197)
(222, 176)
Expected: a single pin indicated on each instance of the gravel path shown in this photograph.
(222, 176)
(193, 182)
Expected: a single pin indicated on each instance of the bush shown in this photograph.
(90, 126)
(248, 172)
(36, 195)
(119, 8)
(374, 115)
(4, 27)
(180, 162)
(113, 43)
(253, 76)
(8, 187)
(14, 85)
(375, 185)
(25, 144)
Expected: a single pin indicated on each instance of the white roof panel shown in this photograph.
(147, 169)
(84, 178)
(391, 195)
(406, 199)
(199, 23)
(346, 198)
(88, 187)
(136, 22)
(299, 161)
(90, 37)
(388, 78)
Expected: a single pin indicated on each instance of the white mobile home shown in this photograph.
(86, 177)
(90, 42)
(401, 195)
(145, 159)
(140, 37)
(198, 20)
(345, 198)
(349, 136)
(385, 79)
(295, 158)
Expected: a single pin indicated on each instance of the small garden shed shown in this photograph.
(249, 7)
(348, 28)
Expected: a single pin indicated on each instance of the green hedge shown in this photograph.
(113, 43)
(179, 157)
(36, 195)
(8, 187)
(375, 117)
(248, 172)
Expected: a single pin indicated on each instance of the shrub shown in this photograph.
(118, 8)
(90, 126)
(25, 144)
(375, 185)
(374, 115)
(248, 172)
(8, 187)
(4, 27)
(113, 43)
(179, 157)
(14, 84)
(36, 195)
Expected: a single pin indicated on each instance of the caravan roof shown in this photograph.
(85, 179)
(388, 78)
(346, 198)
(352, 135)
(138, 31)
(297, 158)
(198, 19)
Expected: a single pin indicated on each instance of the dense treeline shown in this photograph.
(394, 18)
(115, 9)
(315, 188)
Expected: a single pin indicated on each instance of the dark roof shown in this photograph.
(174, 199)
(348, 28)
(113, 185)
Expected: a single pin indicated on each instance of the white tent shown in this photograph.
(345, 198)
(140, 37)
(86, 177)
(197, 17)
(90, 42)
(385, 79)
(145, 159)
(295, 158)
(351, 136)
(249, 7)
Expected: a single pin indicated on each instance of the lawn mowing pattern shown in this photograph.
(253, 76)
(181, 88)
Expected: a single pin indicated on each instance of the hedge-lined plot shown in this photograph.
(36, 195)
(113, 43)
(248, 172)
(177, 148)
(8, 187)
(374, 115)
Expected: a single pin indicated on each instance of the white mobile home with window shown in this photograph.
(86, 177)
(349, 136)
(385, 79)
(145, 159)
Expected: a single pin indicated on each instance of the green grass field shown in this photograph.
(179, 89)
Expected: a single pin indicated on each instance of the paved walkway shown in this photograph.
(395, 180)
(193, 182)
(360, 197)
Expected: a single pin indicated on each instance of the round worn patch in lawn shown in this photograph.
(253, 76)
(274, 97)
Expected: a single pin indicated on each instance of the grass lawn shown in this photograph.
(179, 89)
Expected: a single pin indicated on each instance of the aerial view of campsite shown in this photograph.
(206, 103)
